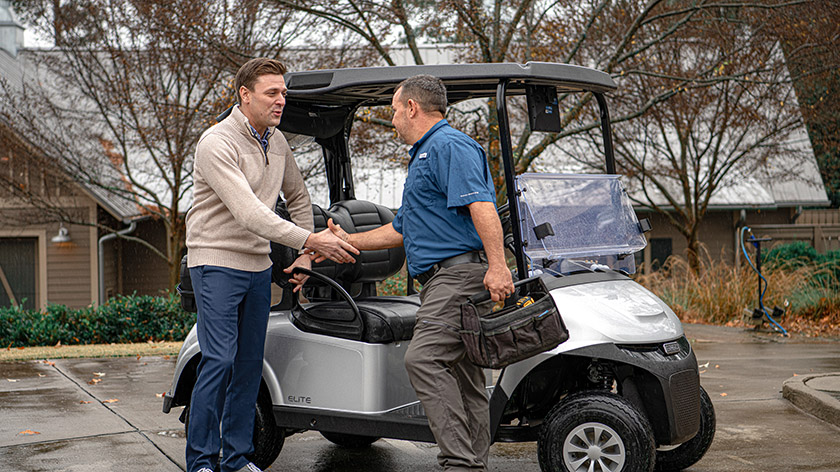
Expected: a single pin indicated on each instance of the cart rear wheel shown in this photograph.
(351, 441)
(688, 453)
(268, 438)
(596, 432)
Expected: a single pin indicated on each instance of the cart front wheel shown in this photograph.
(595, 431)
(685, 455)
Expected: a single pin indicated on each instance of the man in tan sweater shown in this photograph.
(241, 166)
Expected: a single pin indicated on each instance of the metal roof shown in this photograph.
(17, 70)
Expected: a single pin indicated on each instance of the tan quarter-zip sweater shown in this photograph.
(236, 186)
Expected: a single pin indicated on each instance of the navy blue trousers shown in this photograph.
(233, 308)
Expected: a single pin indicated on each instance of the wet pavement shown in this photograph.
(105, 415)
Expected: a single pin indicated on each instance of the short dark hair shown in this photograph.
(252, 70)
(428, 91)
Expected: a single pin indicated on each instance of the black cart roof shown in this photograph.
(319, 102)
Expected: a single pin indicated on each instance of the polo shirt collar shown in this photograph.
(440, 124)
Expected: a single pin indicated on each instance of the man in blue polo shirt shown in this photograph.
(453, 241)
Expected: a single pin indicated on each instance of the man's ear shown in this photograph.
(244, 94)
(412, 107)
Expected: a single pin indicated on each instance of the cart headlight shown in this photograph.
(670, 348)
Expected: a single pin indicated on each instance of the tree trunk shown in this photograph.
(176, 233)
(693, 250)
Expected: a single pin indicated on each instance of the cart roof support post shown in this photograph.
(510, 174)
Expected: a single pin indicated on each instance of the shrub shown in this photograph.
(795, 254)
(395, 285)
(134, 318)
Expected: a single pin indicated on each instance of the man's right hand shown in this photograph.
(327, 245)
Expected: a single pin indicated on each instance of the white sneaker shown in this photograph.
(205, 469)
(250, 467)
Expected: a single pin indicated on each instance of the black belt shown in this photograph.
(465, 258)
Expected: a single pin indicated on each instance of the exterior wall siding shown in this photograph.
(143, 271)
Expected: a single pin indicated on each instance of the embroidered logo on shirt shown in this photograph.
(468, 194)
(423, 155)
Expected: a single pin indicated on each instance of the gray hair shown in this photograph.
(428, 91)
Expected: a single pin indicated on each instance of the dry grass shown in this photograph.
(720, 292)
(90, 350)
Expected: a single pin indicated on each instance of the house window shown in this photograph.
(660, 250)
(18, 269)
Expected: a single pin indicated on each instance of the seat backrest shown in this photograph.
(358, 278)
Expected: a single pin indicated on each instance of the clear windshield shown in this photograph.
(584, 222)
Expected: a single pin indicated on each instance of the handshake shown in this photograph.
(331, 243)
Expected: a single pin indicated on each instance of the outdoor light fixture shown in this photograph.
(63, 235)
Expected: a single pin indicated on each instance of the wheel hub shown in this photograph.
(594, 447)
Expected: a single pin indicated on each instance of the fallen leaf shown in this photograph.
(49, 363)
(29, 432)
(21, 348)
(703, 366)
(112, 400)
(94, 381)
(166, 357)
(84, 402)
(795, 374)
(723, 394)
(41, 375)
(717, 366)
(58, 344)
(159, 395)
(138, 357)
(99, 374)
(12, 380)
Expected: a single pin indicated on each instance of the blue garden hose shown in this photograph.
(761, 295)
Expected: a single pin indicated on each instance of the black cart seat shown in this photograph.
(383, 319)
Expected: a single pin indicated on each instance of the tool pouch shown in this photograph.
(516, 332)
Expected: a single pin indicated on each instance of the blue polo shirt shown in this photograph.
(447, 171)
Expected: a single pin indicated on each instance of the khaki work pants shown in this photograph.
(450, 387)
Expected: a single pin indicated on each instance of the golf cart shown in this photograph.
(621, 394)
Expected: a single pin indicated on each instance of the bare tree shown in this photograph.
(809, 35)
(703, 96)
(120, 102)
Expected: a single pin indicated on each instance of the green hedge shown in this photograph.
(799, 254)
(122, 319)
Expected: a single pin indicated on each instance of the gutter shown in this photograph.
(101, 259)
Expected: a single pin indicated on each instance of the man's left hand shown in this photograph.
(499, 282)
(299, 279)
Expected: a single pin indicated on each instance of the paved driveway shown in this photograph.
(104, 415)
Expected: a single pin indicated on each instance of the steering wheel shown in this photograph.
(332, 283)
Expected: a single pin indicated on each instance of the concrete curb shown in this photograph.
(816, 402)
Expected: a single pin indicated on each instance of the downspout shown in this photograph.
(742, 220)
(101, 261)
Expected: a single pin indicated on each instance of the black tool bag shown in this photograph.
(528, 326)
(185, 288)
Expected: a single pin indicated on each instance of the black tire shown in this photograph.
(688, 453)
(268, 438)
(351, 441)
(597, 427)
